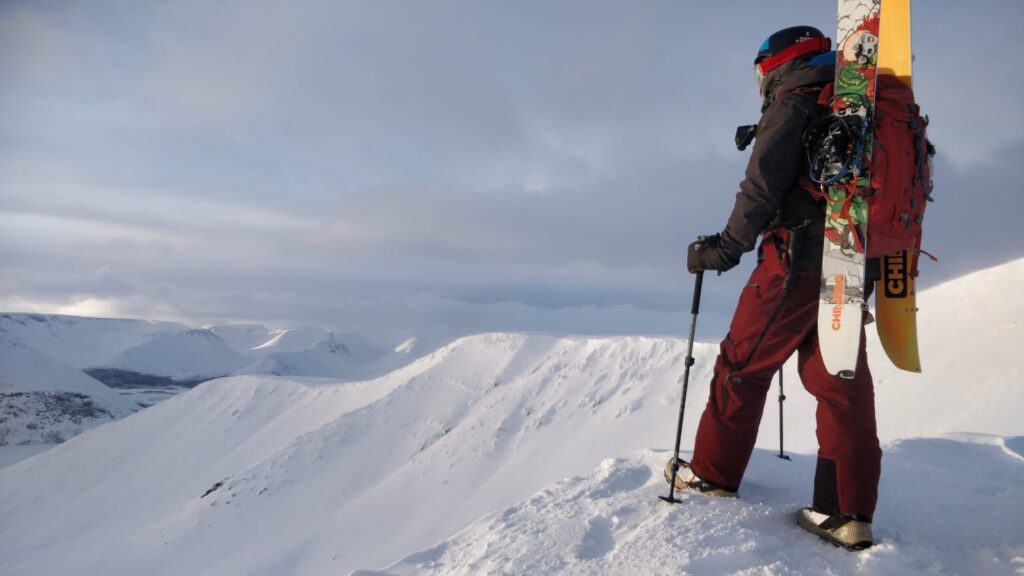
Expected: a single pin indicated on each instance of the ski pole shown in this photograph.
(782, 398)
(793, 251)
(694, 310)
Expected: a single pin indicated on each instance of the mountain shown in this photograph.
(45, 397)
(242, 337)
(56, 372)
(512, 453)
(327, 358)
(80, 342)
(43, 401)
(143, 353)
(188, 354)
(345, 356)
(291, 340)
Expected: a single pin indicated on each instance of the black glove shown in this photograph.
(707, 254)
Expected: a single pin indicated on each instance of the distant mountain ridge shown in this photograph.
(60, 375)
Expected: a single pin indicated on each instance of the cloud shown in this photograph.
(448, 165)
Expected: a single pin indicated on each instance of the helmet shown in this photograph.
(786, 45)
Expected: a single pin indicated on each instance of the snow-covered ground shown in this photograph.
(612, 522)
(518, 454)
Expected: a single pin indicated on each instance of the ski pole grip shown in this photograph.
(695, 309)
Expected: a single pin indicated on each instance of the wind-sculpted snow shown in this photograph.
(263, 475)
(931, 521)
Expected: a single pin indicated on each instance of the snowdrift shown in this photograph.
(263, 475)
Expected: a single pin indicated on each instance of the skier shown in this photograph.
(777, 311)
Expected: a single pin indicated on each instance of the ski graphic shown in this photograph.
(843, 175)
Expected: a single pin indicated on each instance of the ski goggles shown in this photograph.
(765, 64)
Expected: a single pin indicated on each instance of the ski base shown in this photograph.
(896, 312)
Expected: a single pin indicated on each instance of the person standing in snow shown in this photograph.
(774, 317)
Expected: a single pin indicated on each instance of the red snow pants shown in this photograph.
(846, 408)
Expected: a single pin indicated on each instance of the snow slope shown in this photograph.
(456, 433)
(315, 477)
(970, 335)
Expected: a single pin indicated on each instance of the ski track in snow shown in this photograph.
(269, 476)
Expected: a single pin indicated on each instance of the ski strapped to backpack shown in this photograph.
(900, 182)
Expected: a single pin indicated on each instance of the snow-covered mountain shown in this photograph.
(181, 355)
(327, 358)
(81, 342)
(320, 353)
(43, 401)
(242, 336)
(57, 372)
(291, 340)
(491, 455)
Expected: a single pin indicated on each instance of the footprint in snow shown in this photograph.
(597, 541)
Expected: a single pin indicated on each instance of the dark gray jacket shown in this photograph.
(771, 193)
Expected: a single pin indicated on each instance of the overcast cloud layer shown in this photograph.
(394, 167)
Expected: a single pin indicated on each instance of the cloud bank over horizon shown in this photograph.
(398, 167)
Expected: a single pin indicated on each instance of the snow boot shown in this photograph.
(850, 532)
(687, 480)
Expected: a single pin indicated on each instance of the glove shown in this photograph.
(707, 254)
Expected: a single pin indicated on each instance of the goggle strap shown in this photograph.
(807, 46)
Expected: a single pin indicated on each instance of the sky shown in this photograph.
(394, 167)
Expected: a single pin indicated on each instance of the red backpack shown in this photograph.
(900, 170)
